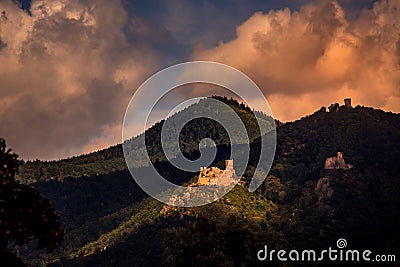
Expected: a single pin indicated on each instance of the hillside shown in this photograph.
(111, 159)
(110, 221)
(361, 204)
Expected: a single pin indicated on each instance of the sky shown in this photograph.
(68, 68)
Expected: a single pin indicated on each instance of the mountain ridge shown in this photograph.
(312, 207)
(113, 155)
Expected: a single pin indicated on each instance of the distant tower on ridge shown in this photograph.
(347, 102)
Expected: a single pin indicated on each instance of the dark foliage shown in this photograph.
(24, 214)
(207, 241)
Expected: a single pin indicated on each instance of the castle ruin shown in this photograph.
(214, 175)
(336, 107)
(336, 163)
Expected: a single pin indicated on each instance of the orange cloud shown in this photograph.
(315, 56)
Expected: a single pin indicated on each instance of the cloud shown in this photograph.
(69, 67)
(318, 56)
(200, 22)
(66, 75)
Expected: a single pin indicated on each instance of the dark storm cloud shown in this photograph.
(66, 75)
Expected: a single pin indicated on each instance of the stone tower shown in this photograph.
(229, 170)
(229, 164)
(347, 102)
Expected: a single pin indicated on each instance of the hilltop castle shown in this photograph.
(214, 175)
(337, 163)
(336, 107)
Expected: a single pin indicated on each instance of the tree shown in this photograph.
(24, 214)
(274, 189)
(334, 107)
(207, 241)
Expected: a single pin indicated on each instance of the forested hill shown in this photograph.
(366, 136)
(111, 159)
(360, 204)
(111, 221)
